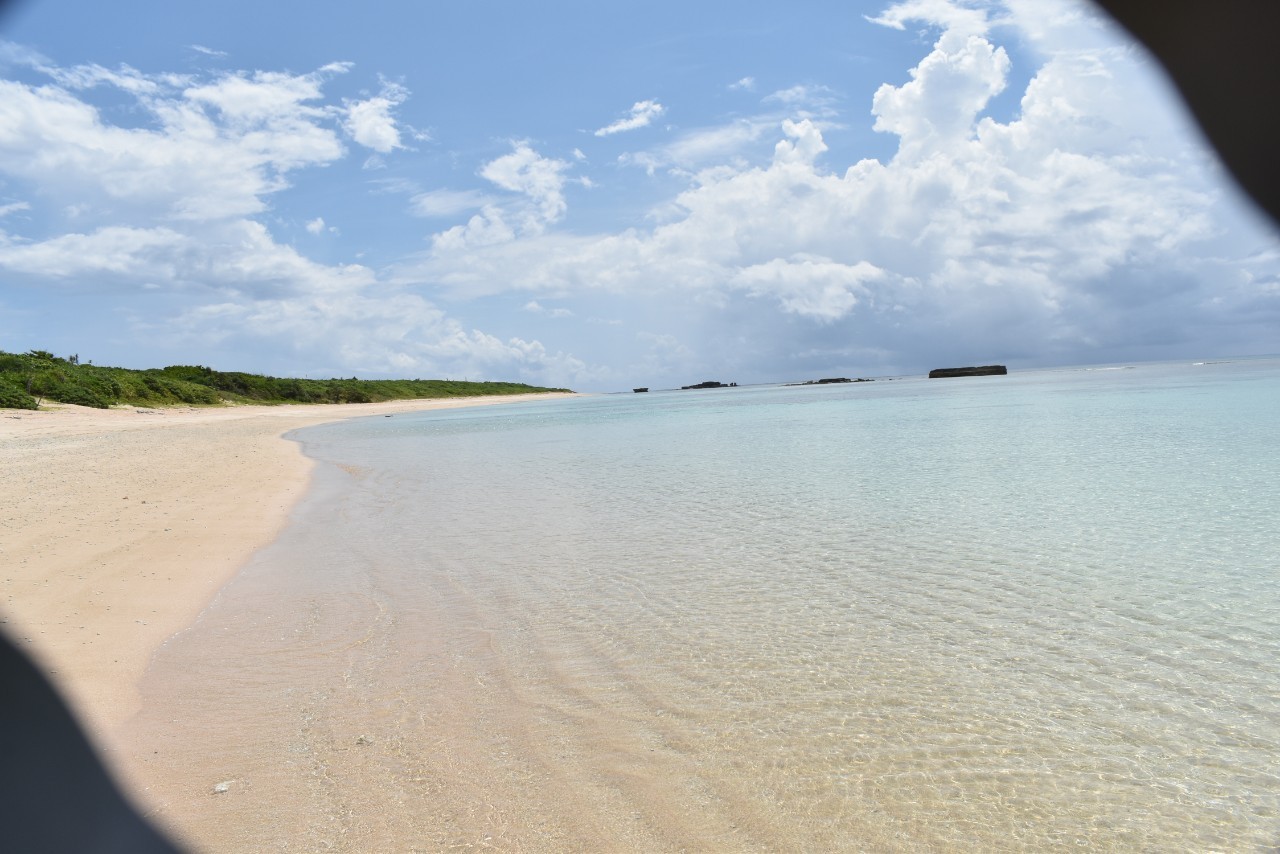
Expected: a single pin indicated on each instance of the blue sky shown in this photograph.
(609, 195)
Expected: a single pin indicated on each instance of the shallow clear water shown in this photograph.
(984, 613)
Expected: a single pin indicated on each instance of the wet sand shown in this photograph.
(118, 527)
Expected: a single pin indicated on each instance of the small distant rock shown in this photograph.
(364, 739)
(223, 787)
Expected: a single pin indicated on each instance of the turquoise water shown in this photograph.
(997, 613)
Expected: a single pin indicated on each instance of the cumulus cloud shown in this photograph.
(538, 181)
(216, 149)
(370, 122)
(539, 178)
(814, 287)
(1072, 228)
(948, 89)
(167, 206)
(642, 115)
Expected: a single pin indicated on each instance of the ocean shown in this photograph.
(994, 613)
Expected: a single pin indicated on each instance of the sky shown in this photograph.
(601, 196)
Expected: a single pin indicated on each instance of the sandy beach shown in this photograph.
(117, 527)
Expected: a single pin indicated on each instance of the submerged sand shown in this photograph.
(118, 527)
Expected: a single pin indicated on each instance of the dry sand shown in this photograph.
(117, 527)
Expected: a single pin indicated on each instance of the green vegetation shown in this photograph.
(28, 378)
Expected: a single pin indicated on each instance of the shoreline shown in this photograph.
(119, 527)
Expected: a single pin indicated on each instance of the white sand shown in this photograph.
(117, 527)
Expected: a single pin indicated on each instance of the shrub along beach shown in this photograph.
(28, 378)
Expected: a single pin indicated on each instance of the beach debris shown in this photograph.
(364, 739)
(223, 787)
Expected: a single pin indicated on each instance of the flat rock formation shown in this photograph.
(709, 384)
(829, 380)
(980, 371)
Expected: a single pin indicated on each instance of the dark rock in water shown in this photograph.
(980, 371)
(640, 390)
(709, 384)
(829, 380)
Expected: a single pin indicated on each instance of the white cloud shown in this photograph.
(950, 86)
(746, 83)
(444, 203)
(126, 79)
(540, 179)
(1074, 227)
(538, 182)
(216, 149)
(705, 146)
(814, 287)
(146, 253)
(237, 256)
(486, 228)
(208, 51)
(267, 100)
(642, 115)
(955, 18)
(371, 331)
(165, 207)
(370, 121)
(534, 307)
(802, 96)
